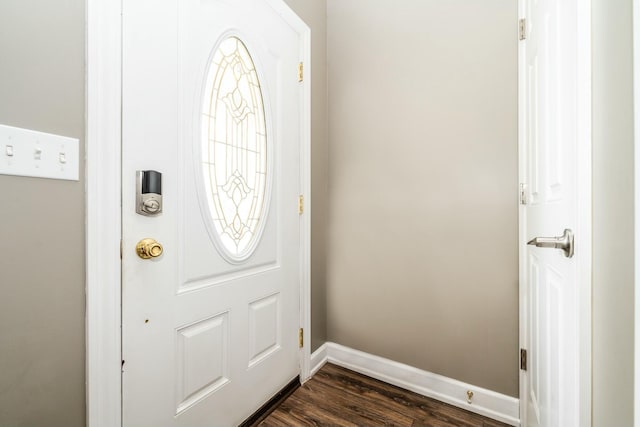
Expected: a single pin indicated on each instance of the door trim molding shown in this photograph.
(103, 207)
(583, 227)
(636, 119)
(103, 148)
(522, 238)
(585, 221)
(489, 403)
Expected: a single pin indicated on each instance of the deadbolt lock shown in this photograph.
(149, 193)
(149, 248)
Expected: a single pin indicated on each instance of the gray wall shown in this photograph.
(613, 221)
(314, 13)
(42, 221)
(423, 173)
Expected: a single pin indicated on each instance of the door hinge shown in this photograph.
(523, 194)
(120, 248)
(300, 204)
(300, 72)
(523, 359)
(522, 29)
(301, 338)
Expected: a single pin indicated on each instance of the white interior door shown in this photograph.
(550, 293)
(212, 100)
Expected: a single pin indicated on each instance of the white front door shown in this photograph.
(212, 101)
(550, 285)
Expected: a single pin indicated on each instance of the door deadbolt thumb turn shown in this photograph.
(149, 248)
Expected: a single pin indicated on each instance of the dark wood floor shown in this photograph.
(338, 397)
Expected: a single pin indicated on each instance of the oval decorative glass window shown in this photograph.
(234, 150)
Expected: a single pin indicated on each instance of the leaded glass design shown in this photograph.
(234, 147)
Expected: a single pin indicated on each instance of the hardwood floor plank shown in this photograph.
(275, 419)
(298, 412)
(340, 401)
(336, 396)
(398, 399)
(371, 397)
(432, 422)
(431, 407)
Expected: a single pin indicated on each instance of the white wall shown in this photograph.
(422, 256)
(613, 221)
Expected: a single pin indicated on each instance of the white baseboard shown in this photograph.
(484, 402)
(318, 359)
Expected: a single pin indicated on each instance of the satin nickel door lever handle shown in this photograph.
(564, 242)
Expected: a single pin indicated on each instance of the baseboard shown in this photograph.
(318, 359)
(484, 402)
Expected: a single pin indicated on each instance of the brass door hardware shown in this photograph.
(149, 248)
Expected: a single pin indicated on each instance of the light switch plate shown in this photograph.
(25, 152)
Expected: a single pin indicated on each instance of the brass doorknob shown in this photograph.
(148, 248)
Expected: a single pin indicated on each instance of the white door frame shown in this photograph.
(103, 216)
(583, 229)
(636, 118)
